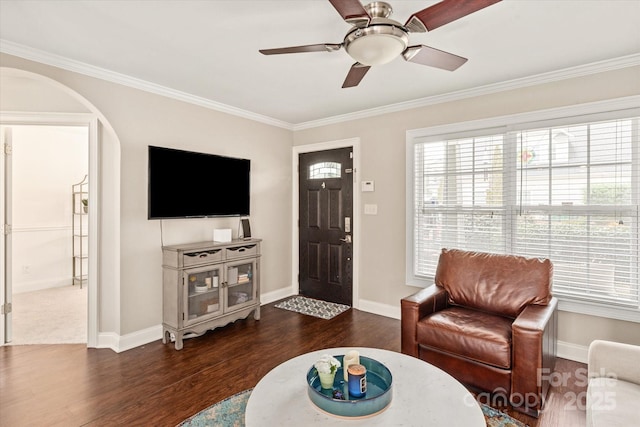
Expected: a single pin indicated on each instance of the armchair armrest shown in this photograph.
(415, 307)
(607, 358)
(534, 352)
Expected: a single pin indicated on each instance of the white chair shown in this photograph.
(613, 393)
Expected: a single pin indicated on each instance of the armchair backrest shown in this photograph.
(495, 283)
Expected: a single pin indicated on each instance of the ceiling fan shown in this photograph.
(375, 39)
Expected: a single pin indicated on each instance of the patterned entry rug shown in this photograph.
(313, 307)
(230, 413)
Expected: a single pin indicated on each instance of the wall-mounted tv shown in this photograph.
(186, 184)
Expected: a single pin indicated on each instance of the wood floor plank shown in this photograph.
(70, 385)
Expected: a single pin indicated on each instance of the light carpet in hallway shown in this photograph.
(50, 316)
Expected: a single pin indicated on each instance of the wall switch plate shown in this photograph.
(371, 209)
(368, 186)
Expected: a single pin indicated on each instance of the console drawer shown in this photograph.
(201, 257)
(250, 249)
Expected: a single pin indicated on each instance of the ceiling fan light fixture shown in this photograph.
(376, 39)
(376, 45)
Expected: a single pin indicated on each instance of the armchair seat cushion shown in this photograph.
(612, 402)
(473, 334)
(613, 393)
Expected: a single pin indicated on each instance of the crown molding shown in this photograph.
(36, 55)
(553, 76)
(26, 52)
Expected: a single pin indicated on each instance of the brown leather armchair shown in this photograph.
(490, 321)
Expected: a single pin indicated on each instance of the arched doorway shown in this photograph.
(59, 104)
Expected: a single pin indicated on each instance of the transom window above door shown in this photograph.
(324, 170)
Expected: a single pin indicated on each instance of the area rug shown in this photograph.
(230, 413)
(226, 413)
(313, 307)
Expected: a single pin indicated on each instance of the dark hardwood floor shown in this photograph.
(155, 385)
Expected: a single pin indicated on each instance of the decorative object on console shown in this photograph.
(232, 275)
(240, 297)
(222, 235)
(245, 228)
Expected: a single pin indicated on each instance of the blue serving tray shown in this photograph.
(376, 399)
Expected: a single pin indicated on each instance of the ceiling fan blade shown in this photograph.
(356, 73)
(324, 47)
(352, 12)
(444, 12)
(426, 55)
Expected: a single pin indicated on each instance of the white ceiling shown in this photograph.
(207, 50)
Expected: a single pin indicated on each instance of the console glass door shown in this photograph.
(241, 286)
(202, 293)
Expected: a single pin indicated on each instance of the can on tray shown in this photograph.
(357, 380)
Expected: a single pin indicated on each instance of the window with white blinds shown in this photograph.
(565, 192)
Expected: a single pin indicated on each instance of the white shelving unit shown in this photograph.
(79, 223)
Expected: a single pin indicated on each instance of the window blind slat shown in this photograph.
(566, 193)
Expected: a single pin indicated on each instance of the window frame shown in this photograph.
(591, 112)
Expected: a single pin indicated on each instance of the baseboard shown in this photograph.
(108, 340)
(120, 343)
(276, 295)
(380, 309)
(117, 343)
(571, 351)
(39, 285)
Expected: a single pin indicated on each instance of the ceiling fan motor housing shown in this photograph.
(379, 9)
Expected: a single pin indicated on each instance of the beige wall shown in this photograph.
(383, 141)
(46, 162)
(139, 119)
(581, 329)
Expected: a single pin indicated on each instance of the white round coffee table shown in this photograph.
(423, 395)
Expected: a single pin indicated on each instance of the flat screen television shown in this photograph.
(186, 184)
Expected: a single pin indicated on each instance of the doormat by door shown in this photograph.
(312, 307)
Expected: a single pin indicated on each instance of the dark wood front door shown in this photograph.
(326, 224)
